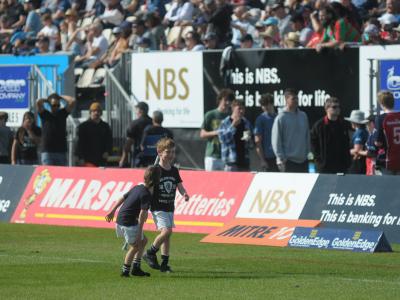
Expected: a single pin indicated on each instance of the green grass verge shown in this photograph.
(49, 262)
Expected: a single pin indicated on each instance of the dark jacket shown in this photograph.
(330, 144)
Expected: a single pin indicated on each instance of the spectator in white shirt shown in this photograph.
(49, 30)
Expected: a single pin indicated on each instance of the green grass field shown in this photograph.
(46, 262)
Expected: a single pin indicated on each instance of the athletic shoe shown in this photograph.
(139, 272)
(165, 269)
(124, 274)
(151, 260)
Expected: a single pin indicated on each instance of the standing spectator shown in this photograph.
(26, 142)
(135, 134)
(209, 130)
(262, 134)
(6, 137)
(388, 127)
(156, 31)
(219, 20)
(54, 128)
(370, 152)
(151, 135)
(291, 136)
(330, 141)
(359, 139)
(235, 137)
(94, 139)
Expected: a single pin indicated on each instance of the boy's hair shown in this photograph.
(290, 92)
(266, 99)
(237, 103)
(225, 93)
(152, 176)
(386, 99)
(331, 101)
(165, 143)
(53, 96)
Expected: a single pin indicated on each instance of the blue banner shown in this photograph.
(389, 78)
(339, 239)
(14, 87)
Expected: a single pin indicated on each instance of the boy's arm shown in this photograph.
(182, 191)
(141, 220)
(110, 215)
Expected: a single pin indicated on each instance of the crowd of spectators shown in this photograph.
(84, 28)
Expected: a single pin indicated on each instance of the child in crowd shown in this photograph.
(131, 218)
(163, 207)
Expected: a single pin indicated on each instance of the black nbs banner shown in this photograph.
(316, 76)
(356, 202)
(13, 181)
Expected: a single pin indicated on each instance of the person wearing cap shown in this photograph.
(330, 140)
(151, 135)
(54, 128)
(298, 25)
(135, 134)
(94, 139)
(210, 41)
(246, 42)
(6, 138)
(292, 40)
(388, 136)
(43, 45)
(291, 136)
(358, 141)
(122, 35)
(388, 22)
(270, 37)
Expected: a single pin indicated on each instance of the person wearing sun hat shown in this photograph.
(358, 141)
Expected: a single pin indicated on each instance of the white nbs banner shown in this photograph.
(172, 83)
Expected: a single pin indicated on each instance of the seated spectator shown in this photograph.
(33, 22)
(270, 37)
(113, 14)
(74, 39)
(26, 142)
(49, 30)
(138, 30)
(122, 44)
(337, 29)
(43, 45)
(371, 35)
(96, 47)
(193, 42)
(61, 8)
(210, 41)
(179, 14)
(219, 19)
(241, 26)
(298, 25)
(143, 44)
(16, 14)
(246, 42)
(388, 22)
(156, 31)
(279, 11)
(292, 40)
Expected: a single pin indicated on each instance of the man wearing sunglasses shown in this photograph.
(330, 141)
(54, 128)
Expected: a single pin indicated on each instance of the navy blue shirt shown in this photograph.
(136, 199)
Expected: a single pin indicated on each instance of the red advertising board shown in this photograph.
(83, 196)
(267, 232)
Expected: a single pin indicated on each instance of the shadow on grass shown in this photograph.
(221, 275)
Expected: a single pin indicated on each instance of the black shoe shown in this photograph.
(151, 260)
(125, 274)
(139, 272)
(165, 269)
